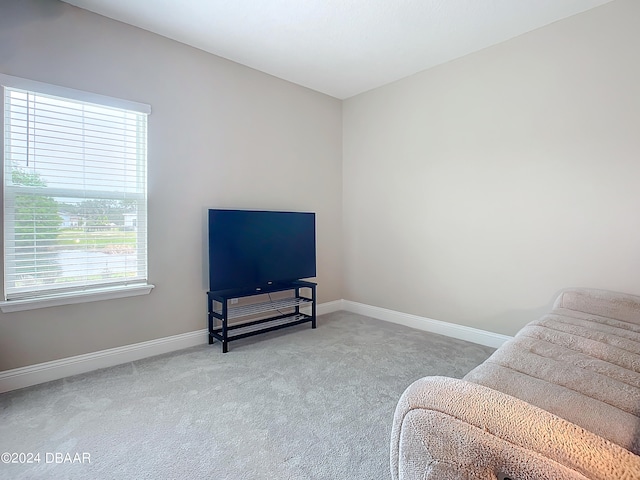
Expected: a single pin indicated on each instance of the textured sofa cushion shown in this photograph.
(619, 306)
(560, 401)
(580, 365)
(450, 429)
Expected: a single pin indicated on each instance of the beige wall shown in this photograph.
(475, 191)
(470, 193)
(220, 135)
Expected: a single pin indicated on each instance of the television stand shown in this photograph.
(287, 309)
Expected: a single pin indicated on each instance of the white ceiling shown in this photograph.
(339, 47)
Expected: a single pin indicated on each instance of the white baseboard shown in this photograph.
(329, 307)
(65, 367)
(453, 330)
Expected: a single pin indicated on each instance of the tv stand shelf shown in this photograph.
(287, 309)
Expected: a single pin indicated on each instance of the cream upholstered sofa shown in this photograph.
(559, 401)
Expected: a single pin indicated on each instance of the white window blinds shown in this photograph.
(75, 199)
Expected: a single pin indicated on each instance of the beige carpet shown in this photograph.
(295, 404)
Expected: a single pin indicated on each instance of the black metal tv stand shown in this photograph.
(288, 309)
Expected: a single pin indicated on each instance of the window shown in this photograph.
(75, 196)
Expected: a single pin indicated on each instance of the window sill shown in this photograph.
(72, 298)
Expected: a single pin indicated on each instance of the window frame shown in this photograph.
(84, 293)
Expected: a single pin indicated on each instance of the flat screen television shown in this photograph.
(251, 249)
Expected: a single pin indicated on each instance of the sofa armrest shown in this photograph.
(619, 306)
(454, 429)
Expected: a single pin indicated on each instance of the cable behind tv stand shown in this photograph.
(281, 312)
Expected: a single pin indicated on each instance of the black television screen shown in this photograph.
(250, 249)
